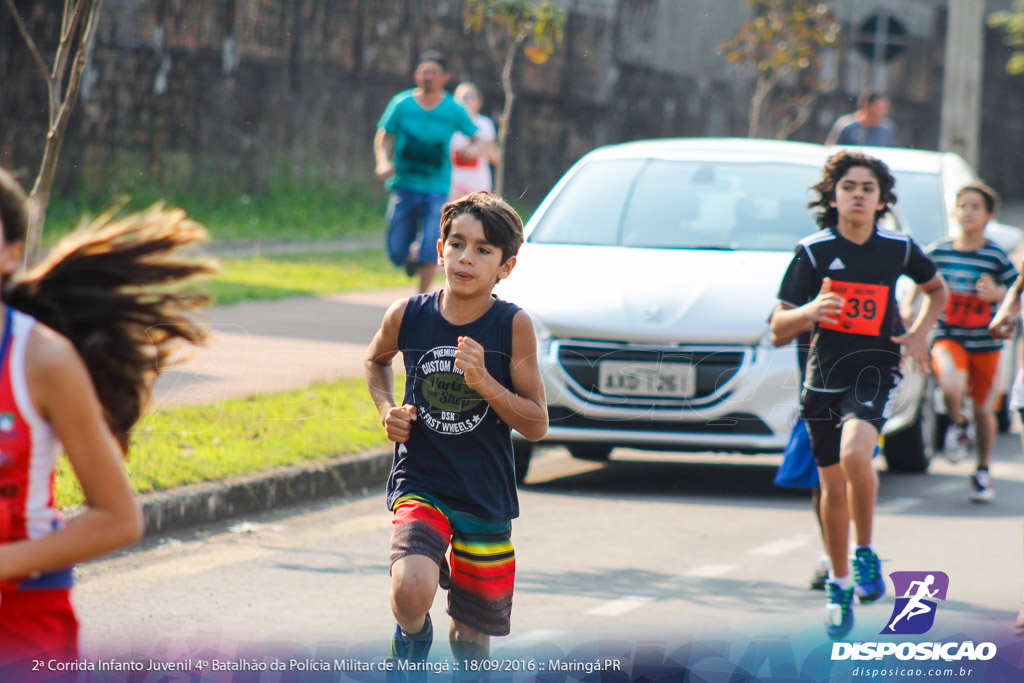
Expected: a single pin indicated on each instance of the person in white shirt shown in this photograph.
(471, 164)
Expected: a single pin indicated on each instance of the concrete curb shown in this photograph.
(177, 509)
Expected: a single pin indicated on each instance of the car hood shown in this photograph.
(647, 295)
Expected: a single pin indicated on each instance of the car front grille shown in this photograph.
(715, 368)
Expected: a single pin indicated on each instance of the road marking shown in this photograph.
(781, 546)
(898, 505)
(614, 608)
(705, 571)
(949, 487)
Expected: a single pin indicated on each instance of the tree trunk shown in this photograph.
(80, 19)
(506, 114)
(765, 84)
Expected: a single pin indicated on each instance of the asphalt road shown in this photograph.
(647, 547)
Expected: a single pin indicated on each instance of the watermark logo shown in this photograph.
(916, 595)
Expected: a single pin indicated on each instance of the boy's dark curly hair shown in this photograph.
(835, 168)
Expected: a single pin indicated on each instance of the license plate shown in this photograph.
(632, 378)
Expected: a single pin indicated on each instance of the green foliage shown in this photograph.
(539, 20)
(785, 36)
(1012, 23)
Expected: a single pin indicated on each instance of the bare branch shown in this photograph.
(70, 21)
(84, 21)
(23, 30)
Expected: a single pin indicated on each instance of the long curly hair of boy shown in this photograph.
(827, 216)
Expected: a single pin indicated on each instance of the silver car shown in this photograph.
(650, 271)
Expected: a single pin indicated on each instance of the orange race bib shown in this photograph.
(864, 309)
(967, 310)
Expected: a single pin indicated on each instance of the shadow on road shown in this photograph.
(747, 484)
(751, 485)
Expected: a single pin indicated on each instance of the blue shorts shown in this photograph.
(411, 214)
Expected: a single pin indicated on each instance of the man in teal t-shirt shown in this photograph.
(411, 149)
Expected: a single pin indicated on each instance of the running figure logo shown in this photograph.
(914, 612)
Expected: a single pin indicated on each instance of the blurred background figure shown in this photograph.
(869, 125)
(471, 163)
(411, 148)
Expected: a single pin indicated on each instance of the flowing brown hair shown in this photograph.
(114, 288)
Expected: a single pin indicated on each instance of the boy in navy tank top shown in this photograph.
(471, 377)
(840, 286)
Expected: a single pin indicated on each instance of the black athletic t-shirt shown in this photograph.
(865, 276)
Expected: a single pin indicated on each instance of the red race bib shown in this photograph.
(967, 310)
(463, 160)
(864, 309)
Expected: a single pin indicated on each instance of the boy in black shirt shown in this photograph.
(854, 366)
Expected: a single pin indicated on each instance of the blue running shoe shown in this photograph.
(867, 576)
(413, 649)
(838, 610)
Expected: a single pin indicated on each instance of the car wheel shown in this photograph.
(908, 450)
(1003, 416)
(939, 433)
(597, 452)
(521, 452)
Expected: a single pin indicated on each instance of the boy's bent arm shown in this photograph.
(380, 378)
(524, 409)
(1001, 326)
(383, 146)
(916, 339)
(787, 324)
(529, 416)
(789, 321)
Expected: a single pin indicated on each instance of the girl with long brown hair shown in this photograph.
(83, 337)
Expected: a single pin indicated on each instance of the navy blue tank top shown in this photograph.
(459, 451)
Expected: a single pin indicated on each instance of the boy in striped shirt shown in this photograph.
(964, 354)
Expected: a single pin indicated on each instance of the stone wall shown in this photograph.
(228, 92)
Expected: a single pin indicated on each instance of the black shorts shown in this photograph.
(870, 398)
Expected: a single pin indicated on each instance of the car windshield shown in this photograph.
(711, 205)
(920, 204)
(683, 205)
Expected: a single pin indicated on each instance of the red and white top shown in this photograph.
(29, 449)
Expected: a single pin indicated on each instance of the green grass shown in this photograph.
(287, 209)
(242, 436)
(270, 277)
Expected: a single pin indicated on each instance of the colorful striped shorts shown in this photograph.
(483, 563)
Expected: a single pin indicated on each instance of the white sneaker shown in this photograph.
(982, 490)
(958, 442)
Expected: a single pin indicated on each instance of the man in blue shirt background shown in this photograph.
(412, 155)
(868, 126)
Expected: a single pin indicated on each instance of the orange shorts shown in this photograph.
(981, 369)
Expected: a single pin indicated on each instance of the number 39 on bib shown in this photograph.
(864, 309)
